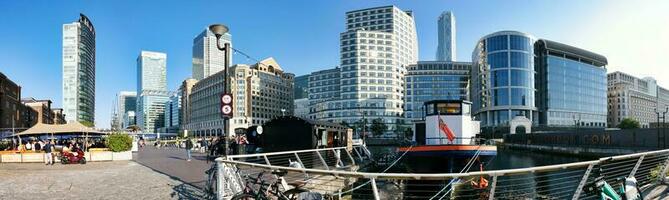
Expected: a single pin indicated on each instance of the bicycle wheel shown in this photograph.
(292, 194)
(243, 197)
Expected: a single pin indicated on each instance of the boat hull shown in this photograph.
(446, 158)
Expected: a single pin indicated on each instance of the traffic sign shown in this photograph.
(226, 106)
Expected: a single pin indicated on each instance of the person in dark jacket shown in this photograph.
(189, 146)
(48, 155)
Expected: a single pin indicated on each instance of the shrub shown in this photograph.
(119, 142)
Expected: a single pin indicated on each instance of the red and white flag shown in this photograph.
(444, 128)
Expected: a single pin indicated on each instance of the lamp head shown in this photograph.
(218, 29)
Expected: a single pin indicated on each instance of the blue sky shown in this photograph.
(303, 35)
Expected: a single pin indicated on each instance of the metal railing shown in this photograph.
(562, 181)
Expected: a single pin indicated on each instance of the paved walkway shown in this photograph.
(94, 180)
(172, 162)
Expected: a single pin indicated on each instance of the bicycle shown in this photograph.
(272, 190)
(211, 185)
(627, 190)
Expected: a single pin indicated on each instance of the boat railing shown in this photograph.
(320, 170)
(457, 140)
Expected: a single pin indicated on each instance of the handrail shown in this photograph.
(284, 152)
(441, 176)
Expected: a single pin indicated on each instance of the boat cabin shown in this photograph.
(454, 114)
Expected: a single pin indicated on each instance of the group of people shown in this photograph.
(49, 146)
(215, 146)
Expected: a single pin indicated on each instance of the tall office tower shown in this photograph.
(446, 31)
(172, 108)
(151, 90)
(207, 59)
(376, 47)
(127, 101)
(502, 78)
(434, 80)
(79, 70)
(636, 98)
(571, 86)
(301, 86)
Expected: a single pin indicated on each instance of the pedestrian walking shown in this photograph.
(189, 146)
(48, 156)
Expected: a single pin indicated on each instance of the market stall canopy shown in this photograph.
(70, 127)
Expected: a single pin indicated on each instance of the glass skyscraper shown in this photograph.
(571, 86)
(446, 36)
(435, 80)
(79, 70)
(152, 90)
(127, 102)
(207, 59)
(502, 84)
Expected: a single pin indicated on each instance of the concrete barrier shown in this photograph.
(11, 158)
(101, 156)
(125, 155)
(32, 157)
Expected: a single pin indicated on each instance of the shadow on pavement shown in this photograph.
(187, 191)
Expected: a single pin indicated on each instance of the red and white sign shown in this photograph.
(226, 106)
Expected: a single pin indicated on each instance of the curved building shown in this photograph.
(502, 82)
(79, 70)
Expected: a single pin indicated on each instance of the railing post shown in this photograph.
(350, 157)
(338, 157)
(220, 183)
(267, 160)
(493, 185)
(357, 153)
(375, 190)
(322, 160)
(636, 167)
(662, 175)
(581, 184)
(299, 160)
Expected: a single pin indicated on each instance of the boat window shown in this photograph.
(449, 108)
(430, 109)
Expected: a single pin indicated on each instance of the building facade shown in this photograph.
(79, 70)
(571, 86)
(635, 98)
(446, 37)
(261, 92)
(58, 116)
(151, 90)
(434, 80)
(172, 108)
(127, 102)
(186, 90)
(502, 78)
(324, 94)
(10, 103)
(301, 108)
(207, 59)
(301, 87)
(43, 108)
(376, 47)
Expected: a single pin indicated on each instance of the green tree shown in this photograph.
(629, 123)
(87, 123)
(378, 127)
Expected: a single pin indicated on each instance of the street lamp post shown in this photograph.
(219, 30)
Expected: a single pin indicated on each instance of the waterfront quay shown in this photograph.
(152, 174)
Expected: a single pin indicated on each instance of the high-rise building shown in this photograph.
(127, 102)
(376, 47)
(553, 85)
(446, 37)
(151, 90)
(635, 98)
(571, 86)
(172, 108)
(434, 80)
(301, 87)
(324, 89)
(261, 92)
(79, 70)
(502, 78)
(207, 59)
